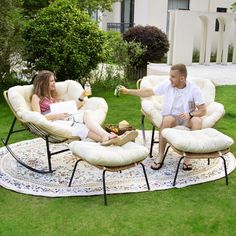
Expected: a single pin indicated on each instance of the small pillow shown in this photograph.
(197, 141)
(98, 155)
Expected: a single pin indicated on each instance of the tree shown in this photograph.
(64, 39)
(10, 35)
(94, 5)
(233, 7)
(33, 6)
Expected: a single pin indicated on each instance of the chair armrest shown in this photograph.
(96, 103)
(152, 110)
(98, 106)
(56, 129)
(215, 112)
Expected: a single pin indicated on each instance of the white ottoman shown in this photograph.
(109, 158)
(198, 144)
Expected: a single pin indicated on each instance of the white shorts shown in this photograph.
(79, 129)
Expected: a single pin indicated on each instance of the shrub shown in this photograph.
(64, 39)
(117, 58)
(152, 39)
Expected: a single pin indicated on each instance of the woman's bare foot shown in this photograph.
(127, 137)
(110, 139)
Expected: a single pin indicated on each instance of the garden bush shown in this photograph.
(64, 39)
(152, 39)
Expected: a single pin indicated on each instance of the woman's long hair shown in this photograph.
(41, 85)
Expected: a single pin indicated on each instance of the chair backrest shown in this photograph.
(19, 97)
(152, 106)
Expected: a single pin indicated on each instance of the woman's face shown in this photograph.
(52, 83)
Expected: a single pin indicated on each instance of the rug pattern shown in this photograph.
(88, 179)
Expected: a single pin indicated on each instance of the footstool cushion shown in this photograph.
(197, 141)
(110, 156)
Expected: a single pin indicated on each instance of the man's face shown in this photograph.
(176, 78)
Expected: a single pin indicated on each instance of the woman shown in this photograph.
(44, 94)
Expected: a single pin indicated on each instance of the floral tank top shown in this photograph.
(45, 105)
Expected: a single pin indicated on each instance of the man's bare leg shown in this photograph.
(194, 124)
(167, 122)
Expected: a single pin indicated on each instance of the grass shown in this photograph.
(205, 209)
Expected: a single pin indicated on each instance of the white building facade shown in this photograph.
(208, 26)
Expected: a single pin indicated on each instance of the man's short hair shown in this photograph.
(181, 68)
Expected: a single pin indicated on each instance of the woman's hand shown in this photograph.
(61, 116)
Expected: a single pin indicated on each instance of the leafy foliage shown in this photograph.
(94, 5)
(33, 6)
(64, 39)
(233, 7)
(121, 52)
(10, 36)
(151, 38)
(118, 58)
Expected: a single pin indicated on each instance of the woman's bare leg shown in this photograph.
(95, 129)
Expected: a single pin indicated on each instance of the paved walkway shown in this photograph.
(220, 74)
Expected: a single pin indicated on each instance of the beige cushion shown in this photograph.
(20, 98)
(152, 106)
(197, 141)
(110, 156)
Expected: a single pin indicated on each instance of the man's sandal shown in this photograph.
(156, 165)
(187, 167)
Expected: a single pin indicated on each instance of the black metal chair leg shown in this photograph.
(226, 175)
(12, 131)
(145, 174)
(48, 154)
(143, 129)
(72, 176)
(104, 187)
(177, 170)
(152, 141)
(24, 164)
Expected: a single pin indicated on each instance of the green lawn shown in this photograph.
(205, 209)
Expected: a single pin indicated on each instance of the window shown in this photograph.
(219, 9)
(127, 14)
(176, 5)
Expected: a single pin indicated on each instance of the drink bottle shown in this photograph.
(87, 89)
(117, 91)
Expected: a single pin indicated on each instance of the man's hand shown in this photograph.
(123, 89)
(184, 116)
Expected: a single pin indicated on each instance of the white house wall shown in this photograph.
(154, 12)
(114, 16)
(182, 44)
(151, 12)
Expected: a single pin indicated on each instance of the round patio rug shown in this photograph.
(88, 179)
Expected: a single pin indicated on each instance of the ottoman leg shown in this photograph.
(104, 187)
(177, 170)
(145, 174)
(72, 176)
(152, 141)
(143, 129)
(226, 176)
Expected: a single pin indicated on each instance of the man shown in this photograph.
(183, 105)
